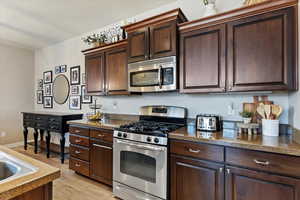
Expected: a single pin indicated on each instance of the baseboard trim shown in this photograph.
(17, 144)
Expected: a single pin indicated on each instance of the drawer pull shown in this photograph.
(194, 151)
(264, 163)
(77, 165)
(101, 146)
(77, 141)
(101, 135)
(77, 131)
(77, 152)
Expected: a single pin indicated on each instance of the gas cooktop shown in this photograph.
(158, 129)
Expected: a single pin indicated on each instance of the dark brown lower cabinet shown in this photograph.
(101, 161)
(244, 184)
(196, 179)
(41, 193)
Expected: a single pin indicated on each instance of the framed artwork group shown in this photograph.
(78, 96)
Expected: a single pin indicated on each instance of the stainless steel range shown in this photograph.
(141, 153)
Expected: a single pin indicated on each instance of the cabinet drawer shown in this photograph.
(102, 135)
(78, 140)
(79, 131)
(28, 116)
(80, 152)
(54, 120)
(198, 150)
(270, 162)
(29, 123)
(79, 166)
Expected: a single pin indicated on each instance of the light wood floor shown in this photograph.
(71, 186)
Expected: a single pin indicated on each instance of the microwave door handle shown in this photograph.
(160, 76)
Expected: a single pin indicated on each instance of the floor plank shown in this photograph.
(71, 186)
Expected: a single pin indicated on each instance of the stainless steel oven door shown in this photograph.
(141, 166)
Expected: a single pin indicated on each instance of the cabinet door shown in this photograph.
(101, 163)
(203, 60)
(244, 184)
(163, 39)
(116, 71)
(94, 67)
(138, 45)
(261, 52)
(196, 180)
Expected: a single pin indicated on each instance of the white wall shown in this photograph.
(69, 52)
(16, 90)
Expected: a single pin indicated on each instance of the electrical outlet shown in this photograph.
(2, 134)
(230, 109)
(115, 105)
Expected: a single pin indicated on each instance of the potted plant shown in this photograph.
(95, 39)
(247, 116)
(210, 8)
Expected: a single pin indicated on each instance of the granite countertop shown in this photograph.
(284, 144)
(109, 124)
(16, 187)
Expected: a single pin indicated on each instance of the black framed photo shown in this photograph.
(86, 99)
(57, 70)
(48, 89)
(75, 90)
(48, 77)
(48, 102)
(83, 76)
(39, 96)
(40, 84)
(75, 103)
(63, 68)
(75, 75)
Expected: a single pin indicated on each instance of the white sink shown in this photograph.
(12, 168)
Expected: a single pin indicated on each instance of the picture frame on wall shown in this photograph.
(40, 96)
(57, 70)
(63, 68)
(86, 99)
(48, 89)
(40, 84)
(75, 75)
(75, 90)
(83, 76)
(75, 103)
(48, 77)
(48, 102)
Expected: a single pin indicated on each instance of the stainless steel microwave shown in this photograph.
(153, 76)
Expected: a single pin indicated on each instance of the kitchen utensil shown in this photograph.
(267, 111)
(277, 111)
(261, 111)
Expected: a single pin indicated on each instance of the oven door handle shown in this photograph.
(140, 146)
(160, 76)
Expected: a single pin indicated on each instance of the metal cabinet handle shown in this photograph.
(77, 152)
(77, 141)
(264, 163)
(101, 135)
(77, 165)
(194, 151)
(101, 146)
(221, 169)
(77, 131)
(228, 171)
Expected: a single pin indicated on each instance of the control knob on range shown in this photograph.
(156, 140)
(119, 134)
(148, 139)
(124, 135)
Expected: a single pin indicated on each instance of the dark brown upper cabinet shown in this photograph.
(261, 52)
(203, 60)
(154, 37)
(106, 69)
(248, 49)
(116, 70)
(94, 67)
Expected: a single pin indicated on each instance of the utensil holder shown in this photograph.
(270, 127)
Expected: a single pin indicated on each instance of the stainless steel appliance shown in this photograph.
(208, 122)
(140, 153)
(153, 75)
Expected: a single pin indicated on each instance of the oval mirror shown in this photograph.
(61, 89)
